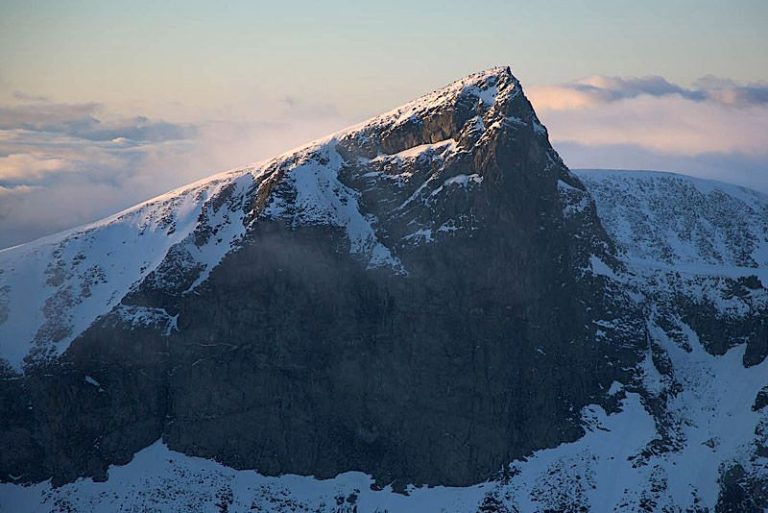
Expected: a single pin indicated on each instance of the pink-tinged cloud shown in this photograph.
(667, 124)
(26, 166)
(600, 89)
(716, 116)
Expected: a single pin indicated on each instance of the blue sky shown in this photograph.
(103, 104)
(202, 52)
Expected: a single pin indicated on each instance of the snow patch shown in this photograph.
(321, 199)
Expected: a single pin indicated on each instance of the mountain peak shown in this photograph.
(468, 106)
(484, 85)
(418, 174)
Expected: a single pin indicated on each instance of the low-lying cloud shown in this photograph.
(83, 121)
(600, 89)
(717, 128)
(665, 123)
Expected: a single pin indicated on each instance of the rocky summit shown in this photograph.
(424, 312)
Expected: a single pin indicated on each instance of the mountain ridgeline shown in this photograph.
(428, 297)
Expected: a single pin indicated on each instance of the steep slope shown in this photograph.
(697, 248)
(51, 290)
(664, 219)
(698, 252)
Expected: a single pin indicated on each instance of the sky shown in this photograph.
(104, 104)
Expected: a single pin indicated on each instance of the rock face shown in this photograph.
(699, 250)
(426, 297)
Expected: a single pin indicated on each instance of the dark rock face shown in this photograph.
(101, 403)
(741, 493)
(313, 364)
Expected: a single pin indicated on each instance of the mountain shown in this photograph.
(428, 298)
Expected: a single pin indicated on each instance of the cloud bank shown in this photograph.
(599, 89)
(716, 129)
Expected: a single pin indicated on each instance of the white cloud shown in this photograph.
(670, 124)
(716, 129)
(600, 89)
(23, 166)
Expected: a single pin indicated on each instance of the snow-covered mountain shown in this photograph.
(52, 289)
(424, 312)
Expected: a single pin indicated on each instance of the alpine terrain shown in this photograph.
(426, 312)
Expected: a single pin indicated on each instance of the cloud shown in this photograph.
(19, 95)
(600, 89)
(668, 123)
(23, 166)
(65, 164)
(728, 92)
(715, 129)
(83, 121)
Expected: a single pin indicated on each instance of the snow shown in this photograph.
(167, 481)
(464, 180)
(680, 220)
(93, 382)
(422, 234)
(715, 404)
(52, 289)
(230, 228)
(599, 465)
(575, 200)
(601, 268)
(605, 470)
(676, 235)
(461, 180)
(487, 95)
(439, 148)
(598, 471)
(320, 198)
(143, 316)
(482, 85)
(448, 227)
(683, 235)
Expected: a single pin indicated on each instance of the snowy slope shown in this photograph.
(701, 240)
(664, 219)
(54, 288)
